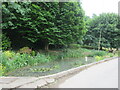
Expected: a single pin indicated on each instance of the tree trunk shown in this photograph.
(117, 49)
(99, 43)
(46, 47)
(100, 47)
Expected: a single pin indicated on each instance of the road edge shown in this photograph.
(44, 81)
(71, 71)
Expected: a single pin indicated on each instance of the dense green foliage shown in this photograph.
(13, 60)
(103, 31)
(29, 27)
(49, 23)
(6, 43)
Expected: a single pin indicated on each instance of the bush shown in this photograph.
(66, 53)
(72, 53)
(25, 50)
(40, 58)
(6, 44)
(105, 49)
(97, 53)
(20, 60)
(9, 54)
(98, 58)
(100, 53)
(91, 55)
(2, 69)
(13, 61)
(111, 55)
(33, 53)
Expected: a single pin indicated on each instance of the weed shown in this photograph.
(20, 60)
(98, 58)
(9, 54)
(44, 69)
(2, 69)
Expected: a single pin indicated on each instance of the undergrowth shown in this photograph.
(11, 60)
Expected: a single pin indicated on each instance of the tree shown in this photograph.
(103, 31)
(14, 17)
(71, 22)
(50, 22)
(6, 43)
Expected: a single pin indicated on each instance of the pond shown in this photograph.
(51, 67)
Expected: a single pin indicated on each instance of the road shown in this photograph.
(103, 75)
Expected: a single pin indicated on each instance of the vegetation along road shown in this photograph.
(104, 75)
(45, 38)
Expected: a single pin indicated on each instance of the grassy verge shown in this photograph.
(12, 61)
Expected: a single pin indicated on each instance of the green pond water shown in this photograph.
(51, 67)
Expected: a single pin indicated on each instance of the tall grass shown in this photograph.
(65, 54)
(97, 53)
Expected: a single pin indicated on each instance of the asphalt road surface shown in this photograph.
(103, 75)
